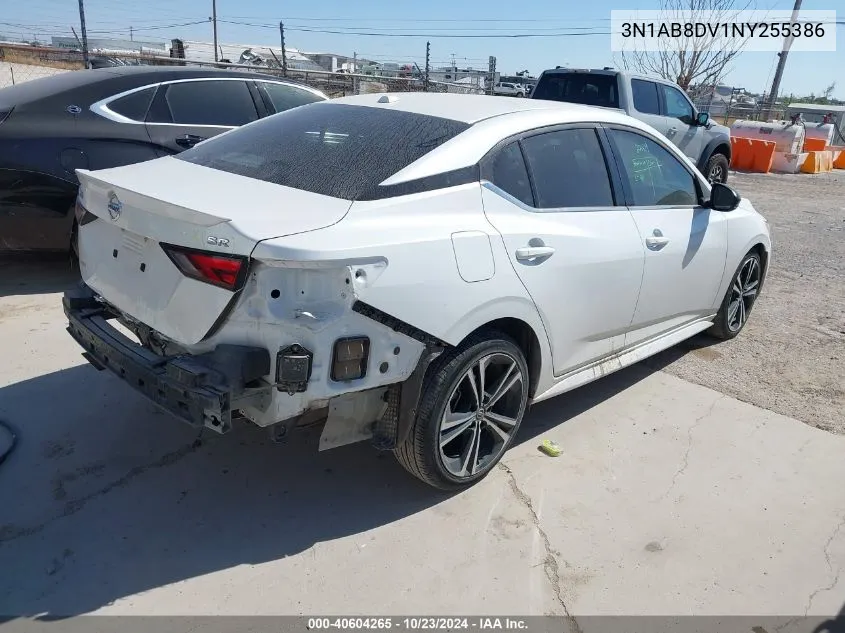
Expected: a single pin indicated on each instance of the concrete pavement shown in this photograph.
(669, 498)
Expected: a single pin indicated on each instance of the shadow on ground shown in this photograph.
(35, 274)
(106, 497)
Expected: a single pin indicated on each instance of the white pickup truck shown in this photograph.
(662, 104)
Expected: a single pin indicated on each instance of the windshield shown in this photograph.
(586, 88)
(332, 149)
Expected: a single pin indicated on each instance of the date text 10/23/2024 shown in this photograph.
(417, 623)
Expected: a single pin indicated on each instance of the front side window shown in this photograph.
(332, 149)
(222, 103)
(569, 169)
(507, 171)
(284, 97)
(655, 177)
(677, 105)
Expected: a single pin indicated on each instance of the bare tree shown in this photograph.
(827, 95)
(691, 60)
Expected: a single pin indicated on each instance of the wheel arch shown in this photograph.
(763, 252)
(526, 339)
(518, 319)
(716, 146)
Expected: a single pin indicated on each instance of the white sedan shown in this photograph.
(413, 269)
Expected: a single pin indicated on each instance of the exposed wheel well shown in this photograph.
(723, 148)
(525, 337)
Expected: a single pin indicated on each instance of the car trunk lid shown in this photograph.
(161, 240)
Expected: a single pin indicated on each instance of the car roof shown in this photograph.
(608, 71)
(467, 108)
(46, 87)
(490, 119)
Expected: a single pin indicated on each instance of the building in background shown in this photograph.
(108, 44)
(253, 54)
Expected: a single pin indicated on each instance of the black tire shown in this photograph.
(73, 250)
(724, 325)
(420, 453)
(716, 169)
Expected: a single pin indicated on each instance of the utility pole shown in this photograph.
(427, 63)
(787, 44)
(355, 72)
(284, 54)
(214, 27)
(84, 33)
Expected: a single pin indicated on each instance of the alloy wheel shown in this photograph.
(481, 414)
(744, 290)
(717, 174)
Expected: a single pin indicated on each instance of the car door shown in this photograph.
(682, 129)
(185, 112)
(685, 242)
(580, 257)
(280, 96)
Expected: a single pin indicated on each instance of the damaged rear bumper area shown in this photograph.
(202, 390)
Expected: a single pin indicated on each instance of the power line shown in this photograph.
(423, 21)
(439, 35)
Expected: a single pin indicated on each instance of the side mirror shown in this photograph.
(703, 118)
(723, 198)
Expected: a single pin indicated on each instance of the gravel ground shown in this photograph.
(791, 357)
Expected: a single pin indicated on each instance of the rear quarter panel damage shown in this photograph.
(419, 280)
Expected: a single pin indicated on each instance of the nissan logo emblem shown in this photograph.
(115, 205)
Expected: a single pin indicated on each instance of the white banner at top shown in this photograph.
(656, 30)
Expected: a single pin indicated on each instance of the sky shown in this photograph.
(410, 25)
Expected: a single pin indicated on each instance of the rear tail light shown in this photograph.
(225, 271)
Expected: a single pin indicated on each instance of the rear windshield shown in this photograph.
(337, 150)
(586, 88)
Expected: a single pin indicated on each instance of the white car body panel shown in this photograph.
(682, 278)
(440, 261)
(587, 290)
(156, 208)
(419, 281)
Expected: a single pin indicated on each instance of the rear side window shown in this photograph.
(327, 148)
(223, 103)
(284, 97)
(507, 171)
(586, 88)
(135, 105)
(569, 169)
(645, 96)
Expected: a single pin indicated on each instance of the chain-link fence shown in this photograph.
(22, 63)
(726, 105)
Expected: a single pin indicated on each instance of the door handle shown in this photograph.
(656, 241)
(528, 253)
(188, 140)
